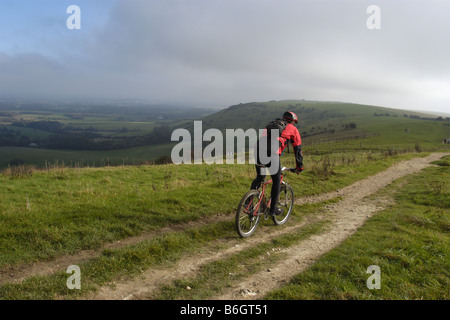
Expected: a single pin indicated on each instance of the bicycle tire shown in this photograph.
(246, 221)
(285, 202)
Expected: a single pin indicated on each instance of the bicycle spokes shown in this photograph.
(286, 202)
(247, 218)
(256, 203)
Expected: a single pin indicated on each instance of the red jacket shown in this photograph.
(290, 133)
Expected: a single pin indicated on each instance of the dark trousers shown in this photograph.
(276, 176)
(276, 185)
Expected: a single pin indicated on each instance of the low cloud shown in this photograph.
(226, 52)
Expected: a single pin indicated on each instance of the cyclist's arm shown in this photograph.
(298, 157)
(297, 144)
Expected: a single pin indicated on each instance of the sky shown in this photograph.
(225, 52)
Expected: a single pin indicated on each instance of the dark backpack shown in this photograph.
(278, 124)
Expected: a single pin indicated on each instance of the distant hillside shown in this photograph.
(257, 114)
(322, 121)
(324, 126)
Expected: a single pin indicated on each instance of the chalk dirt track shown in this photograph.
(346, 217)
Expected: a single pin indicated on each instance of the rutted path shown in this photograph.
(142, 286)
(18, 273)
(347, 216)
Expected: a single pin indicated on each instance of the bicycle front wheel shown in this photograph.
(286, 203)
(247, 218)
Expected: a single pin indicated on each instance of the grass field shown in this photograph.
(48, 135)
(63, 209)
(45, 157)
(81, 209)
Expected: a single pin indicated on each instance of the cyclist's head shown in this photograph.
(290, 116)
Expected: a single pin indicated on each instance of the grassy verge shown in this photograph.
(114, 264)
(61, 211)
(408, 242)
(64, 210)
(325, 173)
(158, 251)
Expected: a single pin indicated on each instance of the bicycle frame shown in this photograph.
(255, 203)
(263, 192)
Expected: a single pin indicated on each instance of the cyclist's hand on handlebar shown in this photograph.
(298, 170)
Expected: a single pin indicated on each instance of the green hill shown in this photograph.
(341, 126)
(325, 127)
(310, 113)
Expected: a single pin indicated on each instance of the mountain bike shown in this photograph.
(256, 203)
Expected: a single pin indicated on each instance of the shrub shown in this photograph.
(19, 171)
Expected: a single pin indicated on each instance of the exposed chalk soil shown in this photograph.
(346, 217)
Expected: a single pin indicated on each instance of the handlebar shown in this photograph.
(282, 169)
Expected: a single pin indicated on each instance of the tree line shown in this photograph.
(63, 138)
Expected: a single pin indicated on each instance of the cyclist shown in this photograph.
(274, 151)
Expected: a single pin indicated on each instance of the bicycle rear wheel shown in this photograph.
(286, 203)
(246, 216)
